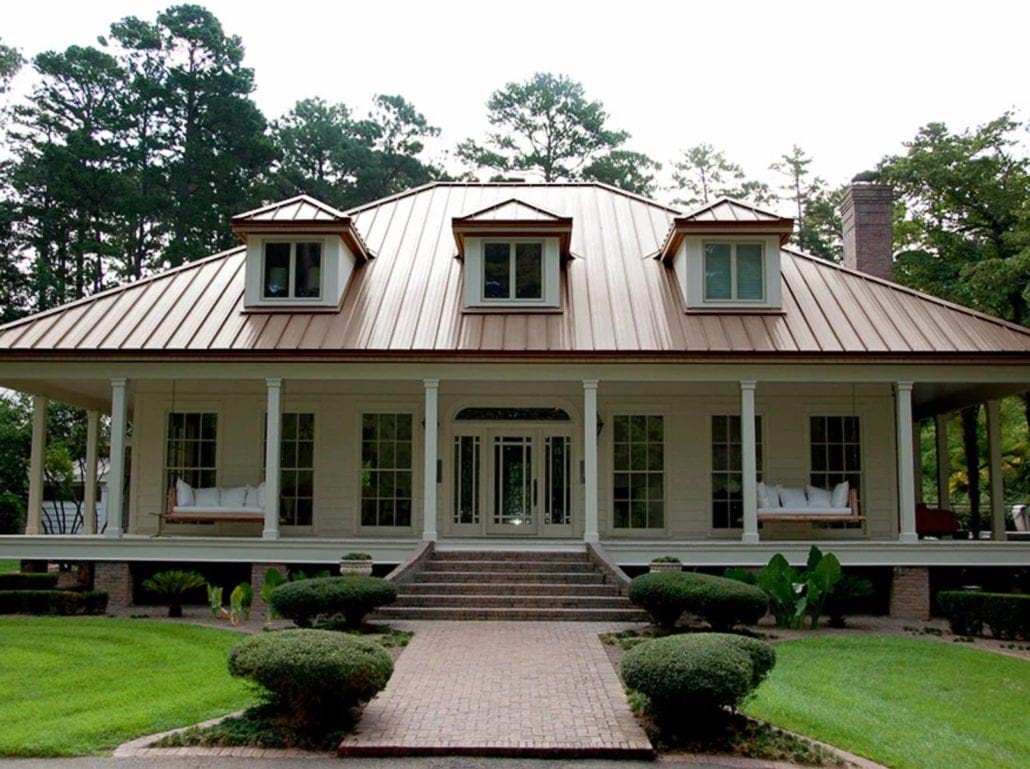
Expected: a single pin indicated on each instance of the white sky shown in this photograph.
(848, 82)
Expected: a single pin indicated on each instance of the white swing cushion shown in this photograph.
(841, 493)
(183, 494)
(819, 497)
(207, 498)
(768, 496)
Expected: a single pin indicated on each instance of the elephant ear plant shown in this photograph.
(794, 594)
(821, 577)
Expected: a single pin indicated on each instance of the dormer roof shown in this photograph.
(513, 218)
(300, 215)
(725, 216)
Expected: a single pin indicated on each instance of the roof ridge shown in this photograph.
(908, 290)
(734, 201)
(287, 201)
(121, 288)
(509, 201)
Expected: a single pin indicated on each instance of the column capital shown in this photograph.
(431, 384)
(590, 384)
(903, 385)
(273, 381)
(748, 384)
(119, 382)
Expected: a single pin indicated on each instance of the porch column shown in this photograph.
(906, 463)
(116, 472)
(37, 458)
(994, 470)
(943, 461)
(590, 528)
(431, 436)
(273, 428)
(89, 481)
(749, 461)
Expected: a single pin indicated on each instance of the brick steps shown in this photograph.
(490, 585)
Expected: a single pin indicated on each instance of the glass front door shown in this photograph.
(515, 487)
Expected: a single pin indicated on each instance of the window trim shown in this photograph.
(733, 299)
(760, 458)
(417, 503)
(631, 410)
(475, 271)
(291, 297)
(512, 244)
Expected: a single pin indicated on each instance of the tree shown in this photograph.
(703, 174)
(823, 232)
(625, 169)
(545, 126)
(800, 186)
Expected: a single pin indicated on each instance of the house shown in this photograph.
(524, 367)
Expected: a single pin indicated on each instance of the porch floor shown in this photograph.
(502, 688)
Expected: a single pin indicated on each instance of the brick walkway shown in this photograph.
(501, 688)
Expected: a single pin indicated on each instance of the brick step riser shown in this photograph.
(513, 601)
(503, 555)
(578, 567)
(505, 588)
(561, 615)
(589, 578)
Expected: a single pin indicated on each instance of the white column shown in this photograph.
(89, 481)
(431, 437)
(37, 458)
(273, 445)
(116, 472)
(590, 528)
(749, 461)
(906, 463)
(943, 461)
(994, 470)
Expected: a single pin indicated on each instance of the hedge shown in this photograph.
(350, 597)
(28, 581)
(1006, 615)
(312, 676)
(58, 602)
(697, 672)
(722, 602)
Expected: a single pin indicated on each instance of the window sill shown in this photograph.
(735, 309)
(287, 309)
(512, 310)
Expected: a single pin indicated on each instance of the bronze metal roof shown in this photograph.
(616, 298)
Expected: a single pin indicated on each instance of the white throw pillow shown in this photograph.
(261, 495)
(768, 496)
(818, 497)
(183, 494)
(251, 499)
(793, 498)
(206, 497)
(235, 496)
(841, 493)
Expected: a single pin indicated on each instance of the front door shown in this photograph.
(513, 488)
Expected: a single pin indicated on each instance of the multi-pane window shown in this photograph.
(190, 452)
(513, 270)
(727, 470)
(386, 478)
(466, 479)
(558, 480)
(292, 270)
(297, 469)
(836, 446)
(734, 272)
(638, 463)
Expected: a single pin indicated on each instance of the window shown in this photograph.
(511, 414)
(292, 270)
(558, 480)
(190, 453)
(639, 472)
(734, 272)
(836, 446)
(386, 457)
(297, 469)
(727, 470)
(513, 270)
(466, 479)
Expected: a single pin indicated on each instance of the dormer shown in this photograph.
(726, 256)
(300, 254)
(513, 253)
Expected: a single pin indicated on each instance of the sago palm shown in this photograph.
(171, 586)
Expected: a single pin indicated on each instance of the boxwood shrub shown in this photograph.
(350, 597)
(28, 581)
(1006, 615)
(696, 673)
(52, 602)
(312, 676)
(722, 602)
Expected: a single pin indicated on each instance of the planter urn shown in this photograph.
(360, 568)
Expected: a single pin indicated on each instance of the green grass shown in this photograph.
(906, 703)
(9, 567)
(77, 686)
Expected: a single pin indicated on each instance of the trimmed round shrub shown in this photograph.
(351, 597)
(698, 672)
(721, 602)
(312, 676)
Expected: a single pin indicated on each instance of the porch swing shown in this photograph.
(184, 504)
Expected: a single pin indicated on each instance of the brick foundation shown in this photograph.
(910, 593)
(114, 578)
(257, 578)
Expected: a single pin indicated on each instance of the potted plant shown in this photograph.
(666, 563)
(356, 563)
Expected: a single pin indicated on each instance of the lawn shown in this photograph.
(906, 703)
(9, 567)
(74, 686)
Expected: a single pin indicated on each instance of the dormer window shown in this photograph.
(292, 270)
(513, 270)
(734, 272)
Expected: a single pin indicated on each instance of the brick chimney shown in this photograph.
(866, 216)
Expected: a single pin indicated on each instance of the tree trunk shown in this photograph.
(971, 446)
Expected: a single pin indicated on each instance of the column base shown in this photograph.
(908, 537)
(591, 536)
(429, 536)
(270, 534)
(112, 533)
(749, 538)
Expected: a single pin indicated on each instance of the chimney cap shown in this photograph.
(866, 177)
